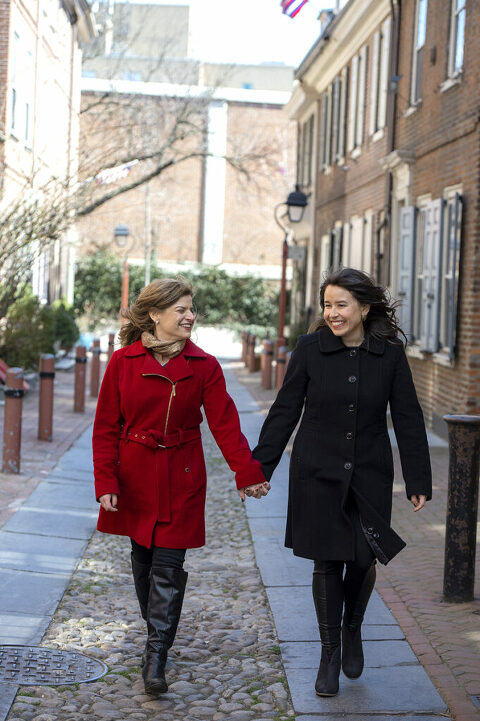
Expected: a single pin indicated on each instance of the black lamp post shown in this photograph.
(296, 203)
(121, 234)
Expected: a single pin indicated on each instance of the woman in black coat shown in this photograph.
(342, 376)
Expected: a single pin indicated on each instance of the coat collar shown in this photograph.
(176, 369)
(329, 343)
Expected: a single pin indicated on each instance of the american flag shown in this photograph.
(292, 7)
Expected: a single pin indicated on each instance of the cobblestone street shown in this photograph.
(225, 662)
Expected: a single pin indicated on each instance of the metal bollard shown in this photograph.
(462, 503)
(95, 369)
(111, 345)
(245, 335)
(45, 397)
(267, 358)
(251, 353)
(12, 425)
(80, 373)
(281, 366)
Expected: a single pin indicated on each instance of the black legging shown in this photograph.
(156, 556)
(331, 589)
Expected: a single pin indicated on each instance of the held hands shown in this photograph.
(109, 501)
(418, 502)
(256, 491)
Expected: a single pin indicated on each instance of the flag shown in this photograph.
(292, 7)
(111, 175)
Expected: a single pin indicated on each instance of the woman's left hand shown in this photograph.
(256, 491)
(418, 502)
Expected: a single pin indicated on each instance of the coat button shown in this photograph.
(349, 436)
(351, 408)
(375, 534)
(187, 470)
(347, 466)
(353, 353)
(352, 379)
(370, 531)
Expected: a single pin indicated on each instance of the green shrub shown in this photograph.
(29, 330)
(65, 327)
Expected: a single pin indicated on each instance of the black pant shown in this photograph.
(156, 556)
(331, 588)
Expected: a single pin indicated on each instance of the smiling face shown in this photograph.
(343, 314)
(176, 321)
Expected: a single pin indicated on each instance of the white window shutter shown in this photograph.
(328, 134)
(384, 63)
(324, 255)
(454, 241)
(356, 242)
(352, 105)
(406, 269)
(432, 255)
(362, 78)
(343, 114)
(324, 129)
(335, 116)
(346, 245)
(337, 246)
(374, 87)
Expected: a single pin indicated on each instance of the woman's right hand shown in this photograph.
(109, 501)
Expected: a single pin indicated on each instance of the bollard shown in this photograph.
(267, 358)
(12, 424)
(80, 373)
(281, 366)
(111, 345)
(462, 503)
(251, 354)
(245, 335)
(45, 397)
(95, 369)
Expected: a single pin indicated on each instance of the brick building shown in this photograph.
(387, 109)
(40, 64)
(200, 210)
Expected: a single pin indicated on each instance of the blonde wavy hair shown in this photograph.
(157, 295)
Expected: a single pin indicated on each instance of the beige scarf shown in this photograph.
(163, 350)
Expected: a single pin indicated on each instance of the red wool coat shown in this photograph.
(147, 446)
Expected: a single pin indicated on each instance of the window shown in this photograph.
(418, 50)
(357, 100)
(132, 75)
(305, 157)
(325, 157)
(428, 271)
(357, 243)
(339, 108)
(22, 90)
(379, 86)
(14, 80)
(457, 37)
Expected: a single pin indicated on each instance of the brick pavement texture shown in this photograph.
(444, 636)
(225, 662)
(39, 457)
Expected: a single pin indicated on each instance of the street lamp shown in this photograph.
(121, 234)
(296, 203)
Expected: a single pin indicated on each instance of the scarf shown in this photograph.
(162, 349)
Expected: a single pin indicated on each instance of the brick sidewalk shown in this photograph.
(39, 457)
(444, 636)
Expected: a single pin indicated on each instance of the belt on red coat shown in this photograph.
(156, 439)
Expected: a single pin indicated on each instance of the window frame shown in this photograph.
(455, 12)
(418, 55)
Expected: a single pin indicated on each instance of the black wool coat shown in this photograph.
(342, 449)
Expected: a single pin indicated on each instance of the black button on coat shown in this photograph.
(342, 443)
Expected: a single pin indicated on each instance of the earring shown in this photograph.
(156, 322)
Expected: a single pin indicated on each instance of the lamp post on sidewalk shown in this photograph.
(295, 207)
(121, 234)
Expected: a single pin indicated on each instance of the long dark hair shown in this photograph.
(158, 295)
(381, 321)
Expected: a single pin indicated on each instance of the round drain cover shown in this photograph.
(37, 666)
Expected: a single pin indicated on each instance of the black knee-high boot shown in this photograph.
(327, 587)
(358, 588)
(141, 579)
(167, 589)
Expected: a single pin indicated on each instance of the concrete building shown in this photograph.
(387, 111)
(200, 210)
(40, 66)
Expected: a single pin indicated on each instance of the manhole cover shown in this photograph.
(37, 666)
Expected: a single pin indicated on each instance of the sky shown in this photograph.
(250, 31)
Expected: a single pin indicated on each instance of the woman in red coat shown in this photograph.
(148, 459)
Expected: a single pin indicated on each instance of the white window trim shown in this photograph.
(416, 48)
(421, 204)
(452, 43)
